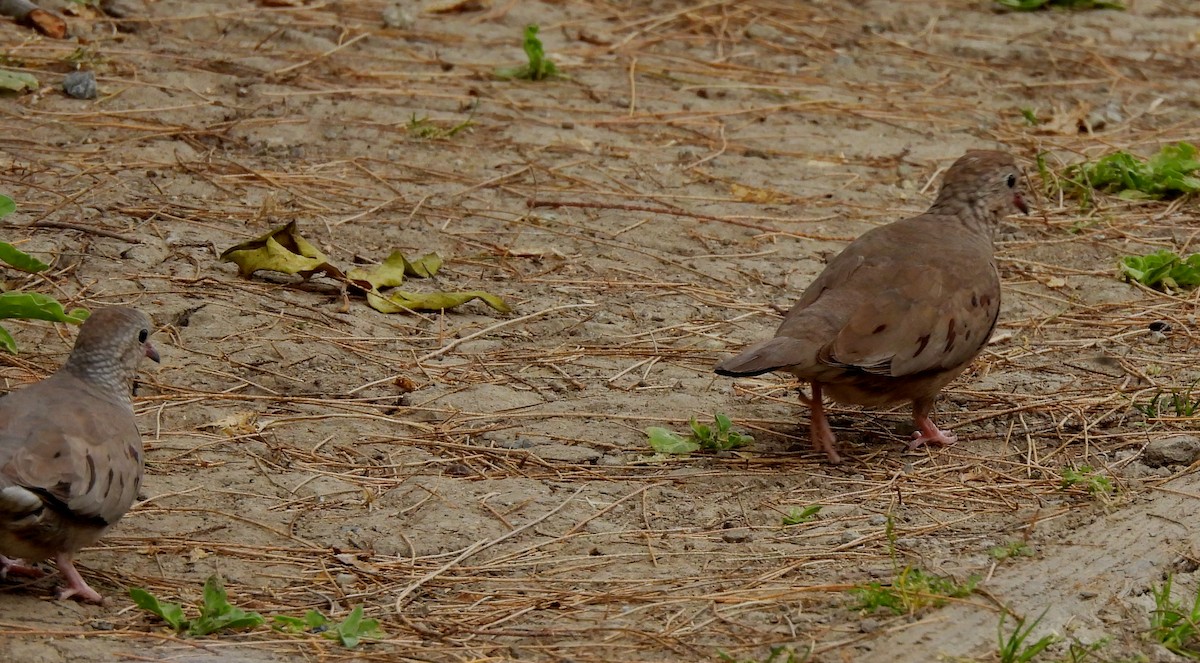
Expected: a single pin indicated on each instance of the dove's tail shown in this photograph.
(777, 354)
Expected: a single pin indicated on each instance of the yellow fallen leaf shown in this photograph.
(748, 194)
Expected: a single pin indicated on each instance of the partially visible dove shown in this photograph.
(70, 452)
(903, 309)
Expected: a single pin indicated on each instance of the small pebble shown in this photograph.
(850, 535)
(397, 16)
(80, 85)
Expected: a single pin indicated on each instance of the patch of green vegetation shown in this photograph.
(423, 127)
(703, 437)
(912, 589)
(779, 654)
(1010, 550)
(1012, 646)
(1177, 628)
(1178, 403)
(798, 515)
(216, 613)
(1030, 5)
(1162, 270)
(539, 66)
(1090, 480)
(348, 631)
(1030, 116)
(28, 305)
(1169, 173)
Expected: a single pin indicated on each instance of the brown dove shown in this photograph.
(903, 309)
(70, 452)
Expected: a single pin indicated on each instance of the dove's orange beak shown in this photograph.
(151, 353)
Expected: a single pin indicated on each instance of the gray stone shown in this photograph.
(80, 85)
(565, 453)
(1173, 450)
(736, 536)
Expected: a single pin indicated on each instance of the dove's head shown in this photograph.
(983, 186)
(110, 345)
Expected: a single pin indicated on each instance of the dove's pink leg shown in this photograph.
(927, 432)
(819, 431)
(16, 567)
(76, 587)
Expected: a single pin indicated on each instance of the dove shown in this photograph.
(903, 309)
(70, 451)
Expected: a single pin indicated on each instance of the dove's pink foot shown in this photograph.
(820, 433)
(15, 567)
(76, 588)
(927, 432)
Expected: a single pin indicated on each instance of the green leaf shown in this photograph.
(170, 613)
(1162, 269)
(797, 516)
(354, 627)
(281, 250)
(391, 272)
(399, 301)
(7, 341)
(36, 306)
(1167, 173)
(216, 600)
(665, 442)
(216, 614)
(7, 206)
(16, 81)
(539, 66)
(700, 432)
(19, 259)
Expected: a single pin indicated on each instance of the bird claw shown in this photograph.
(16, 567)
(79, 593)
(936, 437)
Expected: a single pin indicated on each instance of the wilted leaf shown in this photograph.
(391, 272)
(16, 81)
(399, 301)
(238, 423)
(19, 259)
(665, 442)
(281, 250)
(311, 620)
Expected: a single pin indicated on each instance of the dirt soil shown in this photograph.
(480, 482)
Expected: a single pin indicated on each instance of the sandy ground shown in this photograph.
(480, 482)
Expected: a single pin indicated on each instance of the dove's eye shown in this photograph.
(143, 335)
(1011, 181)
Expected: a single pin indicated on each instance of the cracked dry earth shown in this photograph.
(480, 482)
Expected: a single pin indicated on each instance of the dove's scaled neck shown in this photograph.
(103, 373)
(971, 211)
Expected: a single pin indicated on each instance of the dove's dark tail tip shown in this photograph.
(732, 372)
